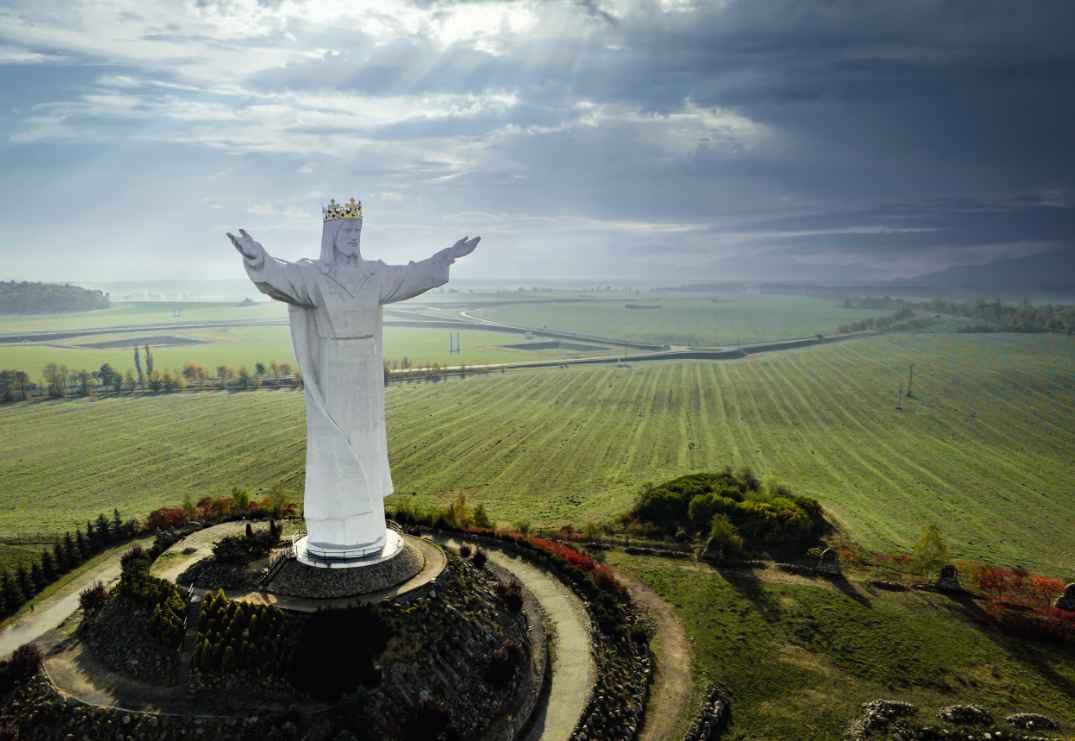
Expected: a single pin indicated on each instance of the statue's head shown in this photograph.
(348, 236)
(341, 233)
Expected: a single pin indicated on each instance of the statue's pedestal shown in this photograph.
(323, 558)
(310, 576)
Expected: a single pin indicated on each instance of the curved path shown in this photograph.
(573, 670)
(673, 685)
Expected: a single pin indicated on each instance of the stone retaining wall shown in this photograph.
(616, 708)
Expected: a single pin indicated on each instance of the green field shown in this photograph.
(731, 320)
(143, 312)
(986, 449)
(799, 658)
(247, 345)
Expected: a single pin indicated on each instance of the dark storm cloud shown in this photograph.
(874, 133)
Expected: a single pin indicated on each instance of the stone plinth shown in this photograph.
(300, 579)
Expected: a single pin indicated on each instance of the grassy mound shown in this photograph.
(799, 657)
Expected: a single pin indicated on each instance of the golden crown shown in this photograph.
(350, 210)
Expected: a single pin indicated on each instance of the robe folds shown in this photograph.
(338, 340)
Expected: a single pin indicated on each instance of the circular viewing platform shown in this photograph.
(325, 558)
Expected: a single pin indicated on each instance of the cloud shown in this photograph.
(595, 135)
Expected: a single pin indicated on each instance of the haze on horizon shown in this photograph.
(603, 139)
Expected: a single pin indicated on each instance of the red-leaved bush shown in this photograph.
(602, 575)
(164, 518)
(1021, 602)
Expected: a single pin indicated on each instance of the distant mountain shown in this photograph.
(1054, 269)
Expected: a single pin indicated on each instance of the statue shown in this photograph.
(334, 310)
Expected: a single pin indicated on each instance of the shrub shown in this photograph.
(639, 634)
(163, 518)
(228, 662)
(26, 660)
(92, 598)
(164, 599)
(464, 551)
(428, 720)
(131, 555)
(356, 713)
(726, 534)
(501, 664)
(511, 594)
(479, 559)
(22, 665)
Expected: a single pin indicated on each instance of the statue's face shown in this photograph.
(348, 237)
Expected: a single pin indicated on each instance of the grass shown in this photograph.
(731, 320)
(798, 659)
(247, 345)
(986, 448)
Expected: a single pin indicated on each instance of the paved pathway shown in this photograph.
(573, 670)
(57, 607)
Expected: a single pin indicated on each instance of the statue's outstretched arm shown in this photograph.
(277, 279)
(401, 282)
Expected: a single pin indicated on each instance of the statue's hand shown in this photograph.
(463, 247)
(246, 245)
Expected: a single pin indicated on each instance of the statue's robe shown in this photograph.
(338, 340)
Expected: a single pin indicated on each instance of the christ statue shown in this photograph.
(334, 309)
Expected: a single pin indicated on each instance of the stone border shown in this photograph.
(596, 637)
(515, 719)
(332, 583)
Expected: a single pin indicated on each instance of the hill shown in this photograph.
(1055, 269)
(48, 298)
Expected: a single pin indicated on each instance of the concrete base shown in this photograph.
(323, 558)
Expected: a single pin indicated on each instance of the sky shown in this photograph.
(667, 140)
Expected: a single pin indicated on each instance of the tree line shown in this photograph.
(60, 381)
(19, 585)
(1021, 317)
(48, 298)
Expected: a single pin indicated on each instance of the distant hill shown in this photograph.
(48, 298)
(1054, 269)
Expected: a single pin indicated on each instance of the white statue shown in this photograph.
(336, 333)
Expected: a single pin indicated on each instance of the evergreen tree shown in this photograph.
(138, 364)
(37, 577)
(10, 595)
(149, 360)
(104, 532)
(72, 557)
(117, 525)
(228, 661)
(48, 566)
(91, 536)
(59, 557)
(83, 544)
(25, 584)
